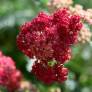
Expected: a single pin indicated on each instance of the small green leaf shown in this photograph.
(52, 63)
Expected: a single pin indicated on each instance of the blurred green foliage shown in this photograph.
(13, 13)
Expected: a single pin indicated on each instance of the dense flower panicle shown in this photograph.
(9, 75)
(43, 72)
(68, 26)
(85, 35)
(35, 44)
(37, 38)
(49, 74)
(49, 38)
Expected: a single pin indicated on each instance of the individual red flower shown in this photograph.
(9, 76)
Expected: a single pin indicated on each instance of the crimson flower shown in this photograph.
(48, 38)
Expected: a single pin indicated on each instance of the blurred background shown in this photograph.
(13, 13)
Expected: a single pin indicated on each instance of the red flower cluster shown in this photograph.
(49, 37)
(9, 76)
(50, 74)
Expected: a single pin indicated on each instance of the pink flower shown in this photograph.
(9, 76)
